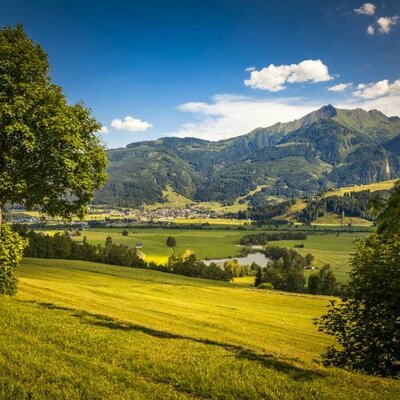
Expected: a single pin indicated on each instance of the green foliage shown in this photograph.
(285, 272)
(125, 232)
(352, 204)
(171, 241)
(389, 213)
(50, 156)
(63, 247)
(11, 250)
(322, 282)
(191, 266)
(266, 286)
(263, 238)
(366, 323)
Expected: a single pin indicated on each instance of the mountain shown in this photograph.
(326, 148)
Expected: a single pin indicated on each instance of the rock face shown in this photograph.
(328, 147)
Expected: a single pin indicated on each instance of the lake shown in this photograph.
(258, 258)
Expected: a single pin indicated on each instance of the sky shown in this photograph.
(214, 69)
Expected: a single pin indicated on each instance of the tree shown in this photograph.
(171, 242)
(125, 232)
(322, 282)
(50, 156)
(309, 259)
(366, 323)
(11, 249)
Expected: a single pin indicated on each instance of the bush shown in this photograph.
(11, 250)
(266, 286)
(366, 322)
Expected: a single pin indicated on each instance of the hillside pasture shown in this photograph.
(89, 331)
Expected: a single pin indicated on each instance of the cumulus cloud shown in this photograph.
(340, 87)
(227, 116)
(366, 9)
(130, 124)
(377, 89)
(103, 130)
(385, 24)
(370, 30)
(273, 78)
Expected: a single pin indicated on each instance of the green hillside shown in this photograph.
(84, 330)
(327, 148)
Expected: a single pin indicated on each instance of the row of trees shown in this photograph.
(263, 238)
(61, 246)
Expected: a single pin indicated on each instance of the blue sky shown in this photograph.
(203, 68)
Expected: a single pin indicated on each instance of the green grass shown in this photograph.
(89, 331)
(373, 187)
(331, 218)
(204, 242)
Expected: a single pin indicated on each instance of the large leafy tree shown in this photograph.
(50, 156)
(366, 323)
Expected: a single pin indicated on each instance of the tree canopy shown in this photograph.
(366, 322)
(50, 156)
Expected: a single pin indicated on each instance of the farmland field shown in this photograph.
(85, 330)
(220, 243)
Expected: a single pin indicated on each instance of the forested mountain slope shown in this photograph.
(326, 148)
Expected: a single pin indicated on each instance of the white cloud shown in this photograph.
(370, 30)
(273, 78)
(385, 24)
(130, 124)
(250, 69)
(377, 89)
(366, 9)
(228, 116)
(389, 105)
(103, 130)
(340, 87)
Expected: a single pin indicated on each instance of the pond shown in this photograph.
(258, 258)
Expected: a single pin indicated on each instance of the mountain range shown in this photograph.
(327, 148)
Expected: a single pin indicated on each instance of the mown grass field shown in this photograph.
(90, 331)
(373, 187)
(210, 243)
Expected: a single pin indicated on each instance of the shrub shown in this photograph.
(266, 286)
(11, 250)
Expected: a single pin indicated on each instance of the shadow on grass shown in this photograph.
(267, 360)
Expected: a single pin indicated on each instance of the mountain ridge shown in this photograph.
(326, 148)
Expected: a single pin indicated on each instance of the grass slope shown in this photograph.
(84, 330)
(373, 187)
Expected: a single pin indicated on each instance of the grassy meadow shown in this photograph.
(373, 187)
(90, 331)
(327, 247)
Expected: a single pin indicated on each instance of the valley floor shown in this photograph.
(85, 330)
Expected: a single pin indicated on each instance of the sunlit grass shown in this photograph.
(90, 331)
